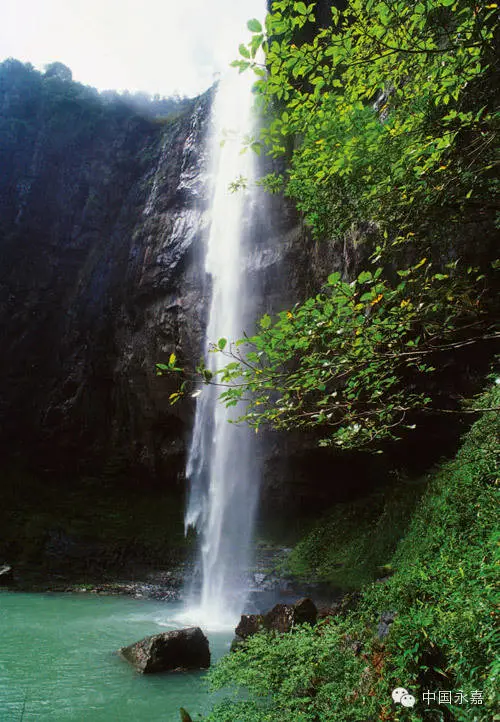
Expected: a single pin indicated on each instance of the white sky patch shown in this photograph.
(157, 46)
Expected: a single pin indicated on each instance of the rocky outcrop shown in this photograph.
(284, 617)
(176, 651)
(249, 624)
(281, 618)
(103, 218)
(103, 215)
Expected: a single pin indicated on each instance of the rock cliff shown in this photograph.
(101, 240)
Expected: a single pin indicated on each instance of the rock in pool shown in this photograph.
(176, 651)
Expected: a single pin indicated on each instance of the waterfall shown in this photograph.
(222, 469)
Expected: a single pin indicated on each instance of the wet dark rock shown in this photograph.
(281, 618)
(305, 611)
(6, 575)
(327, 612)
(179, 650)
(102, 277)
(185, 716)
(249, 624)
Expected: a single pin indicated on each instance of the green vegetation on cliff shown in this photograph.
(352, 544)
(442, 599)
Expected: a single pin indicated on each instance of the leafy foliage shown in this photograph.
(388, 114)
(342, 361)
(443, 594)
(393, 106)
(348, 360)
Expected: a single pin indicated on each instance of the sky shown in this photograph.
(155, 46)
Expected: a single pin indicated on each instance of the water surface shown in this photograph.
(57, 660)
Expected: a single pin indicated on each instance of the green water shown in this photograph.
(56, 659)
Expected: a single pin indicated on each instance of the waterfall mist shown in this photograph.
(222, 467)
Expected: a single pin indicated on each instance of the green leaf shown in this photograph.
(265, 321)
(254, 26)
(243, 65)
(334, 278)
(257, 41)
(244, 51)
(364, 276)
(222, 344)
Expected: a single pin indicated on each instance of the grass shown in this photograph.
(353, 544)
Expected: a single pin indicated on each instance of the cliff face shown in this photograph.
(102, 216)
(102, 244)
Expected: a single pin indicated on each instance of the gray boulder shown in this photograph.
(384, 625)
(176, 651)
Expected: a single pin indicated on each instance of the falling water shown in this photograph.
(221, 467)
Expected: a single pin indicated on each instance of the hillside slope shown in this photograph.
(428, 628)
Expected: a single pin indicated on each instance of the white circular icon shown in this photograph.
(398, 693)
(408, 700)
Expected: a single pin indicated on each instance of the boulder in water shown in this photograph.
(176, 651)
